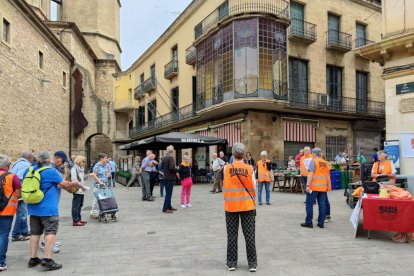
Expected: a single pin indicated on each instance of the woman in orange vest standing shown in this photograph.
(383, 168)
(318, 183)
(264, 169)
(10, 193)
(239, 204)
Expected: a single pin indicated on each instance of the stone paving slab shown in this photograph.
(192, 241)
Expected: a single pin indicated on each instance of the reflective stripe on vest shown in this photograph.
(236, 198)
(11, 207)
(321, 180)
(386, 170)
(263, 174)
(304, 162)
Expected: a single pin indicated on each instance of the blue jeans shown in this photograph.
(310, 199)
(113, 178)
(260, 188)
(5, 228)
(169, 186)
(20, 225)
(328, 206)
(304, 179)
(162, 187)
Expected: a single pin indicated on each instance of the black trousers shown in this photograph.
(77, 204)
(248, 224)
(153, 181)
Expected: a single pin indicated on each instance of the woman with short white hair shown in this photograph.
(264, 169)
(77, 174)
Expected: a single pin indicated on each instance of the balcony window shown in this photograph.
(361, 36)
(140, 116)
(153, 71)
(142, 79)
(152, 111)
(334, 87)
(198, 30)
(175, 96)
(223, 10)
(298, 81)
(362, 91)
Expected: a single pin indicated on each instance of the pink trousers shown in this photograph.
(186, 190)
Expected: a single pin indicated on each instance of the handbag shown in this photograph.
(371, 187)
(381, 178)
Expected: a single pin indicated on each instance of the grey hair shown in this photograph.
(263, 153)
(306, 148)
(4, 161)
(27, 154)
(238, 150)
(186, 157)
(170, 149)
(43, 157)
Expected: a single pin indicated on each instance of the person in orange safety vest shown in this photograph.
(317, 186)
(9, 196)
(264, 169)
(240, 204)
(383, 168)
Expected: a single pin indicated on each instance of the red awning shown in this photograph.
(230, 132)
(299, 132)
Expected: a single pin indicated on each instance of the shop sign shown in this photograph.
(393, 150)
(405, 88)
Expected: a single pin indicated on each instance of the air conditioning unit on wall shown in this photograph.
(322, 101)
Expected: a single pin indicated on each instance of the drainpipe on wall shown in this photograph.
(70, 109)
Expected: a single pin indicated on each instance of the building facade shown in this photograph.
(57, 77)
(274, 75)
(395, 52)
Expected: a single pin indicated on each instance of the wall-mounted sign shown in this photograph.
(405, 88)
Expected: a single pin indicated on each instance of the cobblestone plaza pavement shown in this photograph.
(192, 241)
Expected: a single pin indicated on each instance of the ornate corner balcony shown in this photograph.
(302, 31)
(191, 55)
(338, 41)
(171, 69)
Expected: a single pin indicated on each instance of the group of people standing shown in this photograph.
(165, 171)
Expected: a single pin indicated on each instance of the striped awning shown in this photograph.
(204, 132)
(230, 132)
(299, 132)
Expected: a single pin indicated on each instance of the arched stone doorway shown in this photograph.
(96, 144)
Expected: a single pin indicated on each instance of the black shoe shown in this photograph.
(260, 203)
(212, 192)
(306, 225)
(144, 199)
(321, 225)
(51, 265)
(34, 262)
(268, 203)
(219, 192)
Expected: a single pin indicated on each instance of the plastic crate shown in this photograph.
(336, 180)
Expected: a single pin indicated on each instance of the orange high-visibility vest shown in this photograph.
(387, 169)
(236, 198)
(305, 158)
(321, 180)
(263, 174)
(11, 207)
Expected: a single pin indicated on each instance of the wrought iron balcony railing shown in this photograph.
(149, 84)
(138, 92)
(326, 103)
(191, 55)
(361, 42)
(231, 8)
(171, 69)
(336, 40)
(166, 120)
(302, 31)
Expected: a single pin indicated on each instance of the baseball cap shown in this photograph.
(62, 155)
(316, 150)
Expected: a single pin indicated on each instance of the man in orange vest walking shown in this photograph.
(318, 183)
(9, 196)
(239, 204)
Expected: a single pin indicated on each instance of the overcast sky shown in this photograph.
(142, 22)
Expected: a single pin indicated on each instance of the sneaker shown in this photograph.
(3, 267)
(231, 268)
(34, 262)
(183, 206)
(188, 205)
(51, 265)
(328, 219)
(253, 269)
